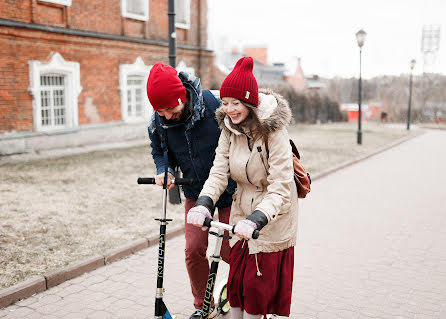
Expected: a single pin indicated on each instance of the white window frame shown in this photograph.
(186, 16)
(56, 66)
(183, 67)
(138, 68)
(61, 2)
(142, 17)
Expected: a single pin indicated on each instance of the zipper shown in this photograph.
(246, 166)
(259, 149)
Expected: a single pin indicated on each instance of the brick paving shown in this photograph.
(371, 244)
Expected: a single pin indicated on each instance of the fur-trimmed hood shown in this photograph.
(273, 111)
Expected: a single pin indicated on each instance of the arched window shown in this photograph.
(55, 87)
(135, 105)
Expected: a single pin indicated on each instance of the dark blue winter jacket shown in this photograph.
(191, 145)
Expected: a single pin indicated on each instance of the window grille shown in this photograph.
(182, 13)
(134, 95)
(136, 7)
(52, 97)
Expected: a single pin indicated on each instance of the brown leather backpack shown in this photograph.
(301, 176)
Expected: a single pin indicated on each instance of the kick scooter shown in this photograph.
(161, 311)
(223, 306)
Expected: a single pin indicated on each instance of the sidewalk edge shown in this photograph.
(36, 284)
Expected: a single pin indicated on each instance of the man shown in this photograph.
(184, 122)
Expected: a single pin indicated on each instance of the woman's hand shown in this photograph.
(196, 216)
(245, 228)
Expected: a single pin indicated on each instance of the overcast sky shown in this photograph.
(322, 32)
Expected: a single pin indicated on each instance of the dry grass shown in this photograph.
(58, 211)
(54, 212)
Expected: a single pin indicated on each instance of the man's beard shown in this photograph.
(183, 118)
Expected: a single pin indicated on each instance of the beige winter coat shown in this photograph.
(264, 182)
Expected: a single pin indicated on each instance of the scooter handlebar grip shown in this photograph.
(146, 180)
(178, 181)
(207, 222)
(184, 181)
(255, 233)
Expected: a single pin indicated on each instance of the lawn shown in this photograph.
(54, 212)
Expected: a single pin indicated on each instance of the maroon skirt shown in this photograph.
(269, 293)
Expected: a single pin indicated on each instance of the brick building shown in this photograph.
(74, 71)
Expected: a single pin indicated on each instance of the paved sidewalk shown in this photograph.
(371, 244)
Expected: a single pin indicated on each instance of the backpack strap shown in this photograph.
(293, 148)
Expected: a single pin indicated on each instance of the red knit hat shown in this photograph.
(164, 87)
(241, 83)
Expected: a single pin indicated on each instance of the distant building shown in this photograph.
(73, 72)
(264, 73)
(370, 111)
(297, 79)
(301, 82)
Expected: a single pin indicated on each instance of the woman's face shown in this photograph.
(234, 109)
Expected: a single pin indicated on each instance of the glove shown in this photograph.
(245, 228)
(196, 216)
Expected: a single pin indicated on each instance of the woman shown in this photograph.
(254, 150)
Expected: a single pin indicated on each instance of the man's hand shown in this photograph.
(196, 216)
(244, 229)
(159, 180)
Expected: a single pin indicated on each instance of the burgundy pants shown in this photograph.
(196, 245)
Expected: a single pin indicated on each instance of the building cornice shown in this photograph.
(93, 34)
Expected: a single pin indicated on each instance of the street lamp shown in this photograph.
(412, 65)
(360, 38)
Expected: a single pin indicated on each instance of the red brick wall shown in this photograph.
(18, 10)
(105, 16)
(99, 61)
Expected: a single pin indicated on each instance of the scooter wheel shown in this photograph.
(223, 302)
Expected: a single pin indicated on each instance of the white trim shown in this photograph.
(56, 65)
(186, 16)
(142, 17)
(61, 2)
(126, 70)
(183, 67)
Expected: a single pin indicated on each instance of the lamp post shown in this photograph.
(172, 33)
(360, 38)
(412, 65)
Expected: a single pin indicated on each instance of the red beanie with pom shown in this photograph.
(164, 87)
(241, 83)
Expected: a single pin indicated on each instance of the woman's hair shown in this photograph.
(252, 124)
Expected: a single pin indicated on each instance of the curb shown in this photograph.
(37, 284)
(22, 290)
(362, 158)
(433, 127)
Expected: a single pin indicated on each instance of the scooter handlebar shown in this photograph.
(208, 222)
(176, 181)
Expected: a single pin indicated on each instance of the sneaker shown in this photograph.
(197, 313)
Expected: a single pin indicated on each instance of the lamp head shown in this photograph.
(360, 37)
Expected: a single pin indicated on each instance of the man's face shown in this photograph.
(172, 113)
